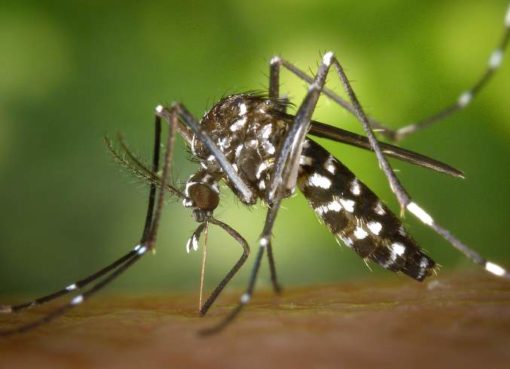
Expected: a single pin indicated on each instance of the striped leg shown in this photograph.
(74, 287)
(112, 271)
(471, 254)
(464, 99)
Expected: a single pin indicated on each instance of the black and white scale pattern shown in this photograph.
(354, 214)
(245, 129)
(248, 130)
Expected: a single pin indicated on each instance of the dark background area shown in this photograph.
(71, 72)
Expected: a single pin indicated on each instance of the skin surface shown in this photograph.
(457, 320)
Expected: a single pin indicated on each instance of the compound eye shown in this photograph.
(203, 196)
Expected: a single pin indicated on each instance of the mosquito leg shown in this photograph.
(274, 94)
(471, 254)
(193, 245)
(277, 288)
(77, 300)
(274, 78)
(287, 162)
(74, 287)
(246, 251)
(278, 62)
(399, 191)
(285, 172)
(246, 296)
(155, 167)
(466, 97)
(115, 268)
(264, 241)
(156, 203)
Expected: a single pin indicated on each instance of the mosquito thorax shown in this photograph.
(247, 128)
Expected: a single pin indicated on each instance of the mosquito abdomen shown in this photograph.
(354, 214)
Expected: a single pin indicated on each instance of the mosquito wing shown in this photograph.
(340, 135)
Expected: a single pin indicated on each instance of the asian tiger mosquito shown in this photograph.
(261, 152)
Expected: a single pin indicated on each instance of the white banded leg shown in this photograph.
(78, 299)
(475, 257)
(465, 98)
(72, 288)
(115, 269)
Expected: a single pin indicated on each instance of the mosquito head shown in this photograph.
(202, 195)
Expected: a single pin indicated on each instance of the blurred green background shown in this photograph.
(71, 72)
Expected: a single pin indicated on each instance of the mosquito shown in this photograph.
(250, 143)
